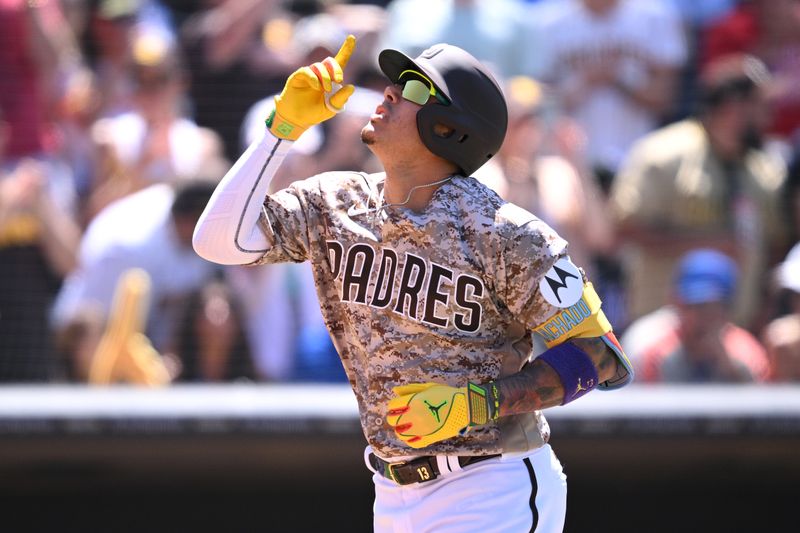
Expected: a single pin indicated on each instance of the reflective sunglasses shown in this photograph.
(418, 88)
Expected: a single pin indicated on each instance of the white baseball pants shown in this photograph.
(505, 495)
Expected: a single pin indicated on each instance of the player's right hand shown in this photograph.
(424, 413)
(312, 94)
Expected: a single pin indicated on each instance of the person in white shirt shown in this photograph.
(492, 31)
(614, 63)
(150, 230)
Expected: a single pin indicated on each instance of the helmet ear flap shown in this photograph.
(462, 145)
(431, 115)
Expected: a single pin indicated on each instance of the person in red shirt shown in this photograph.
(33, 43)
(770, 30)
(701, 344)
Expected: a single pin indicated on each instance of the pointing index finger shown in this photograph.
(344, 53)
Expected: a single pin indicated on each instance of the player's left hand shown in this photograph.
(424, 413)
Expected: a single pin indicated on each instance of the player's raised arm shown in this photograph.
(228, 231)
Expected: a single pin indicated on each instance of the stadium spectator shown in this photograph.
(283, 324)
(614, 64)
(112, 26)
(782, 335)
(491, 30)
(770, 30)
(154, 141)
(38, 243)
(74, 114)
(35, 44)
(792, 196)
(269, 320)
(211, 345)
(699, 343)
(539, 178)
(701, 14)
(225, 43)
(110, 31)
(696, 16)
(38, 230)
(150, 229)
(704, 182)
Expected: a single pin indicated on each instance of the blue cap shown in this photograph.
(705, 275)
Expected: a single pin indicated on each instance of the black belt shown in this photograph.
(418, 470)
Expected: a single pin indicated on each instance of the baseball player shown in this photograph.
(433, 289)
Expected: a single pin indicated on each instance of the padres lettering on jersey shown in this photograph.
(443, 295)
(418, 279)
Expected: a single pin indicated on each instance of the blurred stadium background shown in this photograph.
(143, 389)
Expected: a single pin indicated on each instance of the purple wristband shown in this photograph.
(574, 368)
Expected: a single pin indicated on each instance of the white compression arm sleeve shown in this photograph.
(227, 232)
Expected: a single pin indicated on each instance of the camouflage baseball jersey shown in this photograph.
(448, 295)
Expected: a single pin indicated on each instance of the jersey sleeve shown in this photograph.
(529, 253)
(228, 232)
(243, 225)
(548, 293)
(288, 218)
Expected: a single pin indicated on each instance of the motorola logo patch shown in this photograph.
(562, 286)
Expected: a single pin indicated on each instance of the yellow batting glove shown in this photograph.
(424, 413)
(312, 94)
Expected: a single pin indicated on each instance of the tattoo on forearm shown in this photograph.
(601, 355)
(537, 386)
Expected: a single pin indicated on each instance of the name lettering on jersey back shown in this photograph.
(424, 290)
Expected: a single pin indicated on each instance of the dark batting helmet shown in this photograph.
(477, 113)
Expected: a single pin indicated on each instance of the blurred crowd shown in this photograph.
(661, 138)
